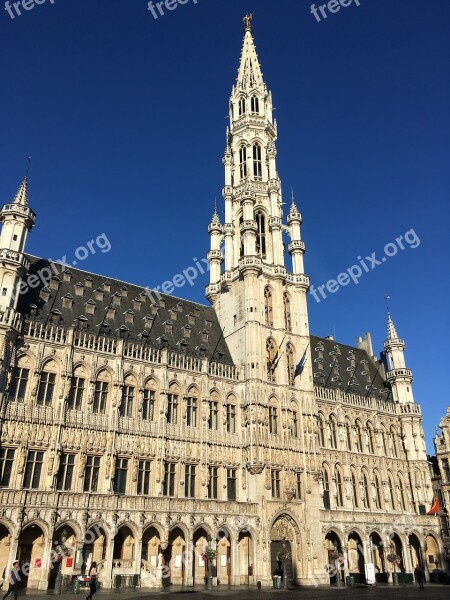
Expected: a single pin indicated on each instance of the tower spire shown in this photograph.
(249, 72)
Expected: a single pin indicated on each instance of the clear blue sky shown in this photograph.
(124, 116)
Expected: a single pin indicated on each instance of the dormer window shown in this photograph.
(116, 299)
(107, 286)
(162, 303)
(111, 313)
(187, 331)
(99, 294)
(79, 289)
(90, 307)
(208, 324)
(56, 316)
(168, 327)
(137, 302)
(191, 319)
(88, 281)
(82, 322)
(173, 314)
(255, 105)
(148, 321)
(67, 276)
(123, 331)
(154, 308)
(129, 316)
(205, 336)
(54, 283)
(124, 292)
(44, 294)
(67, 301)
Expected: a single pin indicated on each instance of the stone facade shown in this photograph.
(139, 450)
(441, 479)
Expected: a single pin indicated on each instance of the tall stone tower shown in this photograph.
(261, 303)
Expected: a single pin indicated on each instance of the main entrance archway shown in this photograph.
(334, 557)
(356, 557)
(64, 546)
(174, 557)
(377, 557)
(282, 543)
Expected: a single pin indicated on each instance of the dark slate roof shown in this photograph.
(351, 369)
(78, 298)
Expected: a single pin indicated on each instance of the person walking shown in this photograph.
(93, 581)
(14, 579)
(420, 576)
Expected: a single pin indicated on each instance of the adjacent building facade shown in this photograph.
(139, 429)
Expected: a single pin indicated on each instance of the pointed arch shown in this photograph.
(243, 161)
(257, 161)
(268, 306)
(261, 233)
(254, 104)
(271, 353)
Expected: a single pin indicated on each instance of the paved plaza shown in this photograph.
(431, 592)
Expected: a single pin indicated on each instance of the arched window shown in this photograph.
(243, 162)
(268, 306)
(241, 237)
(287, 312)
(47, 384)
(366, 492)
(321, 428)
(257, 161)
(294, 420)
(101, 392)
(333, 431)
(271, 352)
(261, 235)
(149, 401)
(392, 493)
(242, 106)
(370, 442)
(339, 487)
(77, 387)
(348, 434)
(377, 491)
(173, 404)
(273, 417)
(192, 407)
(230, 414)
(19, 381)
(290, 358)
(213, 411)
(128, 395)
(355, 490)
(255, 105)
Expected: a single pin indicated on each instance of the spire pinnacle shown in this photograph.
(249, 73)
(21, 196)
(392, 332)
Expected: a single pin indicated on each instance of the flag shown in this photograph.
(301, 365)
(435, 506)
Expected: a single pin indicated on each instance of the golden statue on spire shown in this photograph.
(248, 22)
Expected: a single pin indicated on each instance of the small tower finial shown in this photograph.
(248, 22)
(387, 298)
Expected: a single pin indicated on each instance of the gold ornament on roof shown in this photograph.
(248, 22)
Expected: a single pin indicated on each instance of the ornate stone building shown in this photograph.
(139, 429)
(441, 480)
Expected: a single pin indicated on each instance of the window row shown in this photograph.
(179, 409)
(363, 492)
(357, 438)
(243, 105)
(128, 476)
(256, 161)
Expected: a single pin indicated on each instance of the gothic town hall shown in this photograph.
(139, 431)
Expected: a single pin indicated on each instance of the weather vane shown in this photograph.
(28, 166)
(387, 298)
(248, 22)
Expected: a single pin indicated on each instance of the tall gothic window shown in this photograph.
(290, 357)
(257, 161)
(242, 106)
(261, 235)
(326, 487)
(268, 306)
(348, 432)
(46, 388)
(287, 312)
(255, 105)
(321, 428)
(370, 440)
(243, 161)
(18, 385)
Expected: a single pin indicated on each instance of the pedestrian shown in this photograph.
(93, 581)
(14, 579)
(420, 576)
